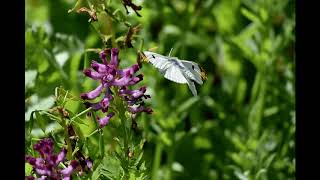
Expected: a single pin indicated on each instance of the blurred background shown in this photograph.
(242, 123)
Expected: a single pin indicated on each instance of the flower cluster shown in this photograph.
(46, 166)
(119, 80)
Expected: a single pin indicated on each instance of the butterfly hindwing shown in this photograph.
(193, 71)
(174, 74)
(192, 87)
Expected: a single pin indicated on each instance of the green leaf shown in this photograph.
(78, 5)
(27, 169)
(251, 16)
(138, 159)
(62, 95)
(30, 123)
(78, 131)
(74, 69)
(202, 143)
(30, 77)
(187, 104)
(260, 173)
(40, 121)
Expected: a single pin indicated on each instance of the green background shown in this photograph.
(242, 123)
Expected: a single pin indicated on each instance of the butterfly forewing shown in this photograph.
(157, 60)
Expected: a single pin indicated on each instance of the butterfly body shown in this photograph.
(176, 70)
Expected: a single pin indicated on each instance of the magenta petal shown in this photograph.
(94, 106)
(43, 172)
(122, 81)
(100, 68)
(68, 170)
(104, 121)
(133, 69)
(114, 57)
(89, 163)
(103, 57)
(136, 79)
(61, 156)
(105, 102)
(135, 110)
(92, 94)
(92, 74)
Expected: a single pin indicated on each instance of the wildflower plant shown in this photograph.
(115, 82)
(116, 97)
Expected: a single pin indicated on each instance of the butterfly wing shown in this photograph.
(166, 66)
(192, 87)
(157, 60)
(193, 71)
(173, 73)
(176, 70)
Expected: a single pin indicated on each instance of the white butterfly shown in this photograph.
(176, 70)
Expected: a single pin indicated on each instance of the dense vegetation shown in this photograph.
(240, 126)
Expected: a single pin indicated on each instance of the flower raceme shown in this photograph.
(112, 78)
(46, 166)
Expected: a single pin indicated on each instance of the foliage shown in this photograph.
(240, 126)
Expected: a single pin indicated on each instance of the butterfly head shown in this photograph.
(142, 57)
(203, 74)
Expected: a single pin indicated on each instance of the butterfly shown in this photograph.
(176, 70)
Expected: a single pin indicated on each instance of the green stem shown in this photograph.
(170, 162)
(94, 132)
(157, 159)
(80, 114)
(123, 122)
(121, 113)
(66, 134)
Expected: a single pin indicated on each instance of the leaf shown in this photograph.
(177, 167)
(78, 5)
(240, 175)
(27, 169)
(164, 137)
(254, 18)
(78, 132)
(187, 104)
(30, 123)
(260, 173)
(62, 95)
(202, 143)
(74, 66)
(138, 159)
(30, 77)
(40, 121)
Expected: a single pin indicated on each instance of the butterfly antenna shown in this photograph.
(170, 51)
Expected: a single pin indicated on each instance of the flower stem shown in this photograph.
(69, 148)
(156, 162)
(66, 134)
(121, 114)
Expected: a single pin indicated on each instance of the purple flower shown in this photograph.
(111, 77)
(46, 166)
(104, 121)
(68, 171)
